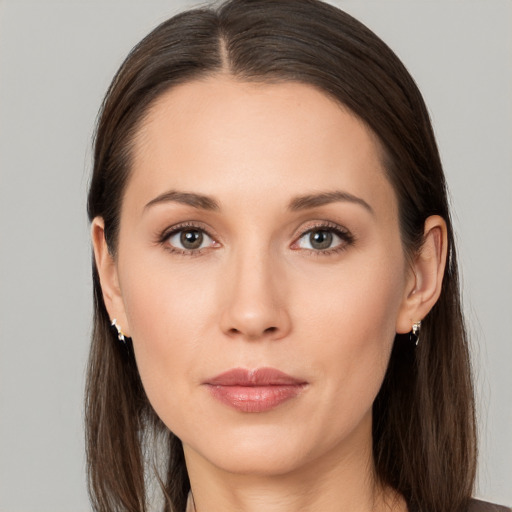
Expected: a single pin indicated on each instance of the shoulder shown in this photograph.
(484, 506)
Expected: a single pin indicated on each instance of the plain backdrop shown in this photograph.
(56, 61)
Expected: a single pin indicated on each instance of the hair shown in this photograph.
(424, 434)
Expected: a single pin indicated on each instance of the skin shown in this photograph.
(259, 293)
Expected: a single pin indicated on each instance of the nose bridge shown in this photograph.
(254, 305)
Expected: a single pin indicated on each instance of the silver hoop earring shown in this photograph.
(414, 335)
(120, 334)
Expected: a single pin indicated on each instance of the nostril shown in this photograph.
(269, 330)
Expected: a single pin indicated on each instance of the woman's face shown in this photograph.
(259, 232)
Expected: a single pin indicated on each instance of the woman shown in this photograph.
(278, 322)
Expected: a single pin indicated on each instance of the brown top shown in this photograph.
(483, 506)
(477, 506)
(474, 506)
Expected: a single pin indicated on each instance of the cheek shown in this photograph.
(169, 314)
(351, 319)
(358, 302)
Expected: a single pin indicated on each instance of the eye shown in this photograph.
(324, 239)
(189, 239)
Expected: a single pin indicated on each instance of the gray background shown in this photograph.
(56, 60)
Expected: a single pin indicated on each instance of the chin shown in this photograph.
(258, 451)
(258, 462)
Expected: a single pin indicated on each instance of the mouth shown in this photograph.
(256, 390)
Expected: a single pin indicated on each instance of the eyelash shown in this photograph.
(346, 236)
(163, 239)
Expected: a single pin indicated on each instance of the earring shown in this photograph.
(120, 334)
(414, 335)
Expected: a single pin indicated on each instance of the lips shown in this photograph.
(256, 390)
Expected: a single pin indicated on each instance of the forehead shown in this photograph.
(255, 142)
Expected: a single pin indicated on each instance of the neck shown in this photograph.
(341, 480)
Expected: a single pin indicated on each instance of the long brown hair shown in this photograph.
(424, 440)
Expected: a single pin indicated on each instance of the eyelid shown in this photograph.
(343, 233)
(163, 237)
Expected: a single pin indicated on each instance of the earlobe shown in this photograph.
(426, 278)
(107, 271)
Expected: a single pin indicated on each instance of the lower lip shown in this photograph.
(255, 398)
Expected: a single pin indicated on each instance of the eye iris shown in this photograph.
(191, 239)
(320, 239)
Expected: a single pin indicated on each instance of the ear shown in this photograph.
(107, 270)
(425, 278)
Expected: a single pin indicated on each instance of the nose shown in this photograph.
(254, 299)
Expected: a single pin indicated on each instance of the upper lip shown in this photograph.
(257, 377)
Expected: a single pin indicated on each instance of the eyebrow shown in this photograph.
(204, 202)
(322, 198)
(198, 201)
